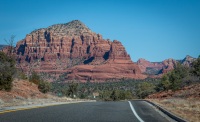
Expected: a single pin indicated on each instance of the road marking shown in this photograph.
(20, 109)
(33, 107)
(134, 112)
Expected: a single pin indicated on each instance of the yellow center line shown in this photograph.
(20, 109)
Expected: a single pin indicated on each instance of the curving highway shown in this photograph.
(123, 111)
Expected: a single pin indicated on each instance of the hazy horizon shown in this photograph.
(154, 30)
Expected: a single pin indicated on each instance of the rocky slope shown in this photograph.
(75, 50)
(157, 68)
(184, 102)
(187, 61)
(24, 93)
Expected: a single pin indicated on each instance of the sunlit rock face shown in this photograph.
(159, 68)
(72, 48)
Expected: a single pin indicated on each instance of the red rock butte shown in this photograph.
(75, 50)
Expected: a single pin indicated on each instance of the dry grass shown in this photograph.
(184, 102)
(188, 109)
(27, 93)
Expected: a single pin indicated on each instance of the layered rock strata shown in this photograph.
(72, 48)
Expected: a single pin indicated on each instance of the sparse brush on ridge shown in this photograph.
(34, 78)
(43, 86)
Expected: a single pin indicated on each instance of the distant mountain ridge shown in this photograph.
(158, 68)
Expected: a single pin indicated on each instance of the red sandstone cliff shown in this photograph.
(72, 48)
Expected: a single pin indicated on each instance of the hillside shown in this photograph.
(184, 102)
(27, 93)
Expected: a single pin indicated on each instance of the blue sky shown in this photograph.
(150, 29)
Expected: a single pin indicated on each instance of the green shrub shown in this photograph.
(120, 95)
(196, 67)
(144, 89)
(20, 75)
(114, 95)
(128, 95)
(174, 79)
(73, 87)
(83, 96)
(7, 70)
(34, 78)
(44, 86)
(164, 84)
(105, 95)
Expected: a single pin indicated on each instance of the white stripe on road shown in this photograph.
(134, 112)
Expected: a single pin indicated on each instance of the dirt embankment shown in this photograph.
(27, 93)
(184, 103)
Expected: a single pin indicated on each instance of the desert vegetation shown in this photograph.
(180, 77)
(7, 65)
(179, 92)
(43, 86)
(7, 70)
(110, 90)
(184, 103)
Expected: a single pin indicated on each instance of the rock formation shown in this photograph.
(150, 68)
(187, 61)
(159, 68)
(75, 50)
(168, 65)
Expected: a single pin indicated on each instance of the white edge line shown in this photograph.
(134, 112)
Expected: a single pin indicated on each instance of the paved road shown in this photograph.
(123, 111)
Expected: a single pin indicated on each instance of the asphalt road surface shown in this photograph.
(123, 111)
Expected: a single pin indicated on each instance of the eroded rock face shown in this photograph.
(187, 61)
(74, 49)
(156, 68)
(151, 68)
(168, 65)
(159, 68)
